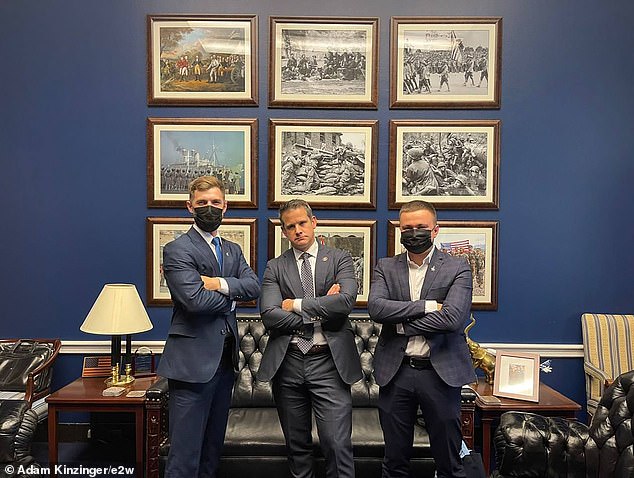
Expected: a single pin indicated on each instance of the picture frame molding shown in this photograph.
(151, 254)
(154, 200)
(503, 362)
(335, 201)
(278, 100)
(491, 201)
(249, 98)
(492, 304)
(493, 100)
(275, 234)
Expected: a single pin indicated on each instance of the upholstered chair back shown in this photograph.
(608, 348)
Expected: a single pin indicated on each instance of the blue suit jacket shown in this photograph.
(449, 281)
(201, 318)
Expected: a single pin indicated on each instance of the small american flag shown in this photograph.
(96, 366)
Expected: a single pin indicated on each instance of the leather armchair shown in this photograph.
(529, 445)
(25, 380)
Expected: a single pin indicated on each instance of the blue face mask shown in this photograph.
(208, 218)
(416, 241)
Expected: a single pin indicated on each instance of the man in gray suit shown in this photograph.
(311, 357)
(206, 275)
(423, 298)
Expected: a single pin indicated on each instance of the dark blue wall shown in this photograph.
(73, 158)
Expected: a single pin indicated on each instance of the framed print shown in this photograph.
(516, 375)
(329, 163)
(356, 237)
(202, 60)
(323, 62)
(454, 164)
(477, 241)
(445, 62)
(162, 230)
(180, 150)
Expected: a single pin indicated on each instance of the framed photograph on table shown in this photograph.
(202, 60)
(445, 62)
(358, 237)
(323, 62)
(477, 242)
(181, 149)
(329, 163)
(162, 230)
(516, 375)
(454, 164)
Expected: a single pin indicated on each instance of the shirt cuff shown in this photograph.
(400, 329)
(431, 306)
(297, 306)
(224, 287)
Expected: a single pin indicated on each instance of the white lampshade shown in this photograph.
(117, 311)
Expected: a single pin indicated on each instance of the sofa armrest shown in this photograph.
(17, 427)
(158, 391)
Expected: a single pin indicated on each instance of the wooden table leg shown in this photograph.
(138, 422)
(52, 437)
(486, 443)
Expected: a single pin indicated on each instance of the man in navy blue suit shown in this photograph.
(423, 298)
(206, 275)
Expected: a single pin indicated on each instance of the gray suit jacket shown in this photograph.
(201, 318)
(281, 281)
(448, 280)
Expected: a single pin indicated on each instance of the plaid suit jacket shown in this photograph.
(448, 281)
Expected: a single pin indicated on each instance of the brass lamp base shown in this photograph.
(120, 380)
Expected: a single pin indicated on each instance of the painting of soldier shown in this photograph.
(318, 62)
(202, 59)
(328, 164)
(446, 64)
(449, 163)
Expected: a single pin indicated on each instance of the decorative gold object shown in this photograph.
(480, 357)
(120, 380)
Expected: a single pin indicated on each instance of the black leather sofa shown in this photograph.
(254, 443)
(529, 445)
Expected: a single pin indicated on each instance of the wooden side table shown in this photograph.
(551, 404)
(84, 395)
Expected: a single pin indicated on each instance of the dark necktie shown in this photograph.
(216, 242)
(306, 277)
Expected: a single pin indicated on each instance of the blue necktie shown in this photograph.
(216, 242)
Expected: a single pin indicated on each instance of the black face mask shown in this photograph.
(416, 241)
(208, 218)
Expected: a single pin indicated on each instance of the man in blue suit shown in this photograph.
(311, 357)
(423, 298)
(206, 275)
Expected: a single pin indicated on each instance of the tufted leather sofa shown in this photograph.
(529, 445)
(254, 443)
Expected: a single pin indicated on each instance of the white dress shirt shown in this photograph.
(208, 237)
(417, 345)
(318, 335)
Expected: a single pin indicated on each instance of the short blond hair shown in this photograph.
(205, 183)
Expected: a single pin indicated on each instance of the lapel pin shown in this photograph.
(433, 268)
(324, 259)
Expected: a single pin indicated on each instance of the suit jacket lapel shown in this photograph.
(403, 277)
(289, 266)
(203, 248)
(322, 263)
(432, 270)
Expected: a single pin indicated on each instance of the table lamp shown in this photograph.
(118, 311)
